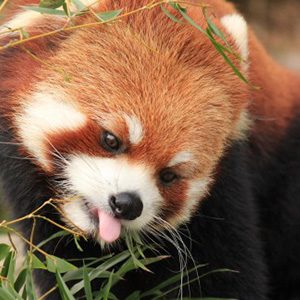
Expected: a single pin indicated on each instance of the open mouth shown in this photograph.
(109, 227)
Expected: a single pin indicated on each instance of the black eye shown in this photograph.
(110, 142)
(167, 176)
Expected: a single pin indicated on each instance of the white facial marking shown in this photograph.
(198, 189)
(75, 209)
(28, 18)
(21, 20)
(97, 179)
(135, 129)
(46, 114)
(242, 126)
(181, 157)
(237, 28)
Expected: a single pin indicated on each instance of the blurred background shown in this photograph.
(276, 23)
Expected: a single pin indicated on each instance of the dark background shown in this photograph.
(277, 24)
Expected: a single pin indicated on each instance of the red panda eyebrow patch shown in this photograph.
(46, 114)
(135, 129)
(23, 19)
(181, 157)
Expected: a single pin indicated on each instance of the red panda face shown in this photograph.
(136, 134)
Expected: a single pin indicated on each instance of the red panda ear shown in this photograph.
(236, 26)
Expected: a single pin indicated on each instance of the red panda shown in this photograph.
(152, 131)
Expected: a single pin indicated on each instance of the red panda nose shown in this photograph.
(127, 206)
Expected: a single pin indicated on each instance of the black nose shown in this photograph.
(127, 206)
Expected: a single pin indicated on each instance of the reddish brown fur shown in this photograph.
(153, 68)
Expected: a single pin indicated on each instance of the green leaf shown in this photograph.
(100, 269)
(20, 281)
(87, 284)
(30, 290)
(78, 275)
(52, 237)
(214, 29)
(63, 289)
(5, 294)
(76, 239)
(66, 10)
(108, 15)
(170, 15)
(234, 68)
(79, 5)
(204, 299)
(134, 296)
(178, 7)
(5, 267)
(51, 3)
(47, 11)
(37, 264)
(99, 296)
(4, 250)
(27, 35)
(134, 255)
(169, 281)
(108, 287)
(57, 264)
(180, 285)
(220, 48)
(11, 268)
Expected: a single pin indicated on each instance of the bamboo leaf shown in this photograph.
(20, 281)
(5, 268)
(30, 291)
(108, 15)
(76, 240)
(99, 296)
(63, 289)
(51, 3)
(170, 15)
(47, 11)
(234, 68)
(53, 236)
(108, 287)
(11, 268)
(87, 284)
(214, 29)
(203, 299)
(4, 250)
(79, 5)
(37, 264)
(170, 281)
(100, 269)
(55, 263)
(5, 294)
(134, 296)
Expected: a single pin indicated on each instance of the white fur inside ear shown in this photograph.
(236, 26)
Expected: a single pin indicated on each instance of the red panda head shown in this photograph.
(138, 131)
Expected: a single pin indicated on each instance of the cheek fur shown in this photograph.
(182, 199)
(175, 198)
(96, 179)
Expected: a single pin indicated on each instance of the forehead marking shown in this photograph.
(23, 19)
(29, 18)
(43, 115)
(181, 157)
(135, 129)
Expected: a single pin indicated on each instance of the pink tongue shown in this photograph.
(109, 227)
